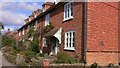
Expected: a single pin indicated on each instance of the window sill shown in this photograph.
(69, 49)
(68, 19)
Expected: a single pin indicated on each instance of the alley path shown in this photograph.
(4, 63)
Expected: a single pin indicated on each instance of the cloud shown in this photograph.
(12, 19)
(13, 14)
(12, 28)
(30, 7)
(22, 0)
(25, 6)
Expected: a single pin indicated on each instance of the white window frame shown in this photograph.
(45, 42)
(23, 32)
(47, 19)
(68, 9)
(35, 26)
(69, 40)
(19, 33)
(29, 19)
(28, 26)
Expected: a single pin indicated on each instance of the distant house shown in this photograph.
(1, 25)
(87, 31)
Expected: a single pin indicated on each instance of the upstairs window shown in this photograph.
(68, 11)
(19, 33)
(70, 40)
(23, 32)
(47, 19)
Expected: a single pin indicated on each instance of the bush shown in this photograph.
(48, 28)
(30, 54)
(31, 31)
(94, 65)
(62, 57)
(35, 46)
(6, 41)
(20, 43)
(110, 65)
(72, 60)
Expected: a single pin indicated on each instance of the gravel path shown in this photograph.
(4, 63)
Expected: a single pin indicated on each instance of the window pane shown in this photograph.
(70, 40)
(72, 9)
(73, 44)
(67, 34)
(70, 34)
(73, 40)
(67, 44)
(73, 34)
(68, 10)
(65, 11)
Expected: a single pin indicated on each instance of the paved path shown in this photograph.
(4, 62)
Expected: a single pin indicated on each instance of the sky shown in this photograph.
(14, 12)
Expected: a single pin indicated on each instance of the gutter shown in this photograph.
(84, 32)
(42, 14)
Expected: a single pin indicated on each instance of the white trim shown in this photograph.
(67, 11)
(23, 31)
(19, 33)
(47, 19)
(69, 36)
(72, 48)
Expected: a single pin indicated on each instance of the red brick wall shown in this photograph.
(76, 25)
(102, 33)
(56, 19)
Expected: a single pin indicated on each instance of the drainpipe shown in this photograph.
(84, 31)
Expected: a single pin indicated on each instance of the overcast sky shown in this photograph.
(14, 12)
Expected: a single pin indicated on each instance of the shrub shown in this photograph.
(94, 65)
(30, 54)
(46, 55)
(48, 28)
(35, 46)
(31, 31)
(20, 43)
(6, 41)
(62, 57)
(72, 60)
(110, 65)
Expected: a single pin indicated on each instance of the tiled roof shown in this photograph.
(41, 14)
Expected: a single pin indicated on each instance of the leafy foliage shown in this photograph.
(94, 65)
(35, 46)
(48, 28)
(8, 41)
(31, 31)
(63, 57)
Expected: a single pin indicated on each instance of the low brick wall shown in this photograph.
(103, 59)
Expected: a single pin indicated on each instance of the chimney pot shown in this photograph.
(47, 5)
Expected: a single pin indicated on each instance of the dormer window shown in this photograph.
(47, 19)
(68, 11)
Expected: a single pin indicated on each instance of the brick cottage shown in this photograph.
(87, 31)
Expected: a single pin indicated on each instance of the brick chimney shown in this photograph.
(31, 17)
(8, 29)
(37, 12)
(47, 5)
(27, 20)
